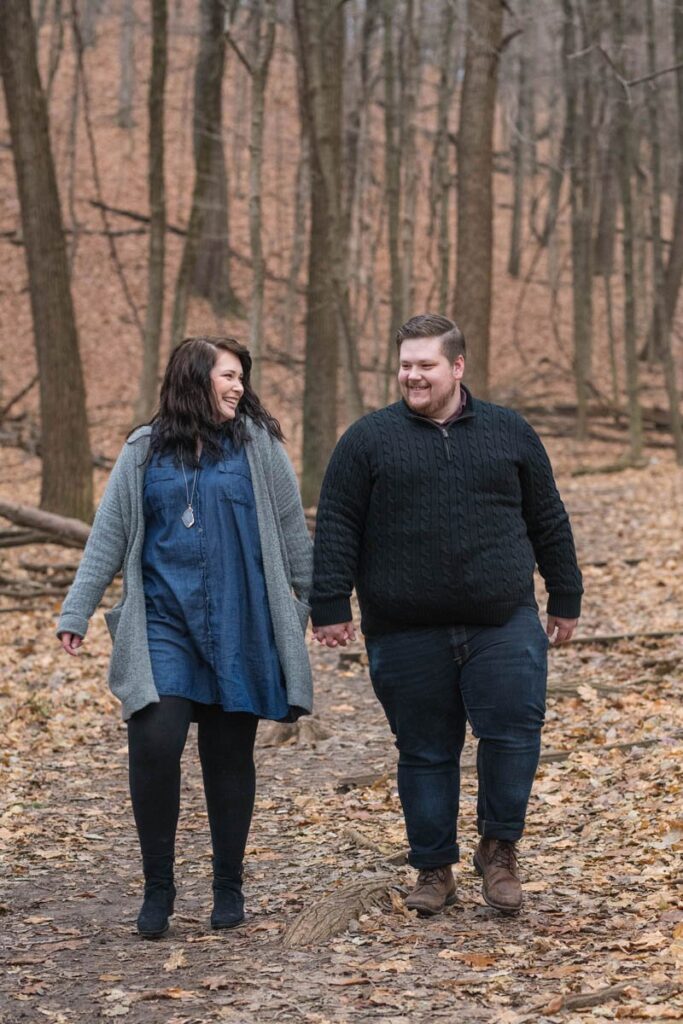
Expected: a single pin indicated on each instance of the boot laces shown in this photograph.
(505, 855)
(432, 876)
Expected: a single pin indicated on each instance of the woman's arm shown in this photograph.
(103, 555)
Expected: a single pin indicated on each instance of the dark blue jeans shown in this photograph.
(431, 682)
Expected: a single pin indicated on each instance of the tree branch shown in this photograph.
(654, 74)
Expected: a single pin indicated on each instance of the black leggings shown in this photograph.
(156, 739)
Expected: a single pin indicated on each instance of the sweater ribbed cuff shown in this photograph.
(330, 611)
(69, 622)
(564, 606)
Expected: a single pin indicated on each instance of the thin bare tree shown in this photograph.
(147, 394)
(260, 54)
(320, 40)
(124, 115)
(475, 186)
(66, 486)
(626, 161)
(662, 324)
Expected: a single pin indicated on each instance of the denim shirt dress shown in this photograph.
(208, 622)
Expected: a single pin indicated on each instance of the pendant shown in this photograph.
(188, 517)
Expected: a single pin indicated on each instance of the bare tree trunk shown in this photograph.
(147, 395)
(72, 147)
(441, 177)
(555, 187)
(91, 11)
(579, 125)
(301, 199)
(662, 326)
(127, 66)
(410, 74)
(261, 52)
(207, 230)
(392, 185)
(56, 48)
(321, 101)
(519, 152)
(320, 32)
(674, 269)
(67, 467)
(625, 169)
(475, 186)
(603, 261)
(210, 276)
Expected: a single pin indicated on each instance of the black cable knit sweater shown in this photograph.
(440, 525)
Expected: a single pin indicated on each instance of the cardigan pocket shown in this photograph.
(112, 617)
(303, 611)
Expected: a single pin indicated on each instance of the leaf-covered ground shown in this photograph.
(601, 933)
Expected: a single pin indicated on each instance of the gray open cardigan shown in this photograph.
(115, 543)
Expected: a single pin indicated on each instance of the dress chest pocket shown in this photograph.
(234, 484)
(162, 488)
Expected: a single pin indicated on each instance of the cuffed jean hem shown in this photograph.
(434, 860)
(496, 830)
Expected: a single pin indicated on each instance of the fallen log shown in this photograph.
(469, 764)
(612, 638)
(326, 917)
(658, 419)
(60, 528)
(20, 538)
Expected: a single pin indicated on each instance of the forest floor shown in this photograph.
(601, 933)
(600, 936)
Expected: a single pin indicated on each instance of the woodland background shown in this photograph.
(305, 176)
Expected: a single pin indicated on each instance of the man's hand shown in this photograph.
(71, 642)
(559, 630)
(335, 636)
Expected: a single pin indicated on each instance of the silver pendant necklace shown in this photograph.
(188, 515)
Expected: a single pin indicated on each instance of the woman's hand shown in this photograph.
(71, 642)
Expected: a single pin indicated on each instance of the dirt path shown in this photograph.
(601, 923)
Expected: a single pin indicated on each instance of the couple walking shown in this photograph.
(436, 509)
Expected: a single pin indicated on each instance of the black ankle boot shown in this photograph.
(157, 906)
(228, 901)
(156, 909)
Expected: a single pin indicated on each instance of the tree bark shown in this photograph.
(210, 276)
(66, 485)
(320, 33)
(261, 53)
(410, 84)
(475, 187)
(392, 185)
(127, 65)
(441, 178)
(662, 325)
(579, 126)
(519, 167)
(147, 395)
(625, 143)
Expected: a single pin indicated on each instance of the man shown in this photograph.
(437, 509)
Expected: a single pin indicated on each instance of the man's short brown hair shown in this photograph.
(433, 325)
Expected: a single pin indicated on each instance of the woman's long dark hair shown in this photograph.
(187, 410)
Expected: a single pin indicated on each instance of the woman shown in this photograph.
(202, 513)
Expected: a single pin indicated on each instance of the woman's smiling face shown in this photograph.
(226, 384)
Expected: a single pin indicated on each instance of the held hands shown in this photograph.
(335, 636)
(71, 642)
(559, 630)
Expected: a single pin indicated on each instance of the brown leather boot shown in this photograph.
(496, 861)
(435, 889)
